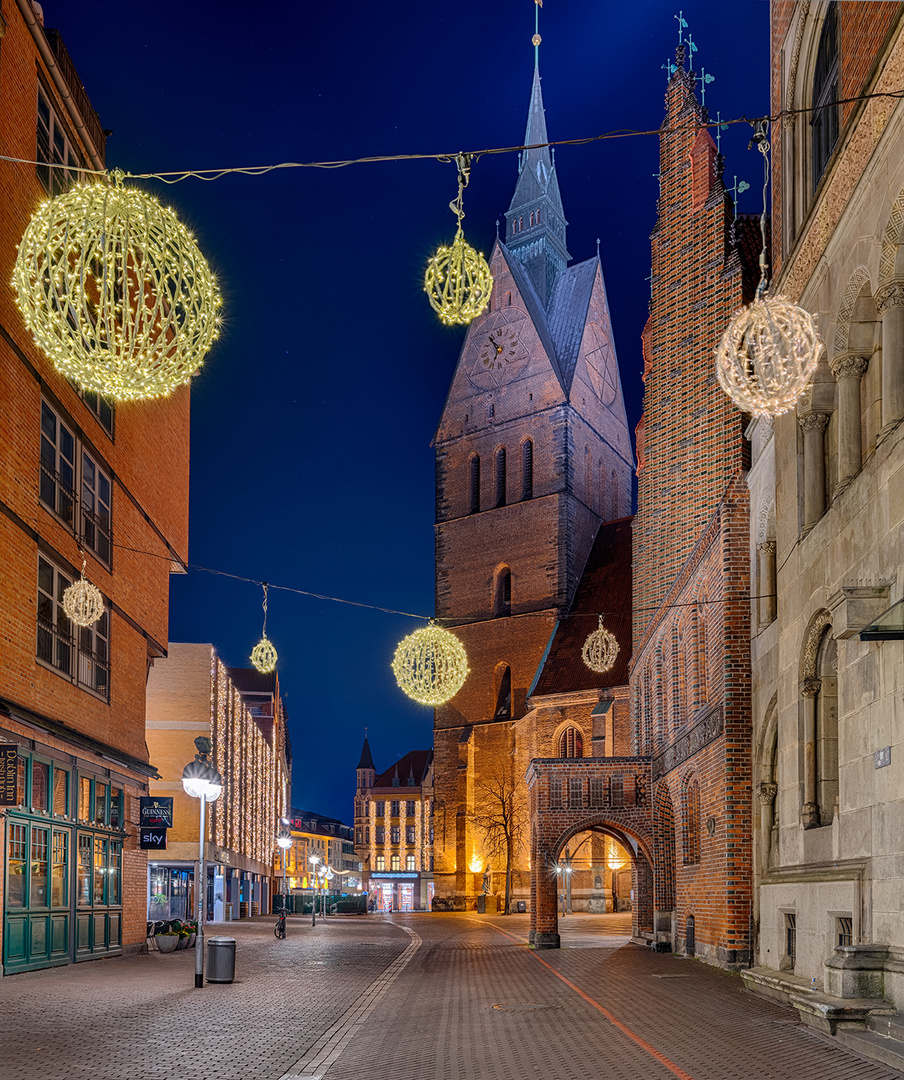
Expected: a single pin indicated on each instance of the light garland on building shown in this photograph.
(264, 654)
(600, 649)
(83, 602)
(430, 665)
(458, 282)
(770, 349)
(116, 292)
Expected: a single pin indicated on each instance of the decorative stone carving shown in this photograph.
(814, 421)
(803, 10)
(810, 687)
(705, 731)
(767, 793)
(766, 547)
(847, 366)
(859, 278)
(814, 636)
(889, 296)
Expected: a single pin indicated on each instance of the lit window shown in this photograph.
(409, 862)
(82, 656)
(394, 863)
(381, 862)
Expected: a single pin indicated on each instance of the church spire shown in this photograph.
(535, 221)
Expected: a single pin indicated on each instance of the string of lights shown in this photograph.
(176, 176)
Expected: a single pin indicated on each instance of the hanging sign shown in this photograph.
(153, 839)
(156, 811)
(9, 754)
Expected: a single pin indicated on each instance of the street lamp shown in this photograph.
(284, 839)
(329, 875)
(314, 860)
(202, 781)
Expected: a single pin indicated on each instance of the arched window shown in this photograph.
(502, 592)
(527, 469)
(538, 217)
(676, 682)
(824, 121)
(475, 484)
(691, 823)
(500, 476)
(503, 680)
(571, 743)
(827, 728)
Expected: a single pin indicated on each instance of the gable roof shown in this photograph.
(605, 586)
(415, 763)
(568, 306)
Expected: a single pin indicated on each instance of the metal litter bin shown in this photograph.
(221, 959)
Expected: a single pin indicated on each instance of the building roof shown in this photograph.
(252, 681)
(416, 763)
(367, 761)
(567, 312)
(605, 587)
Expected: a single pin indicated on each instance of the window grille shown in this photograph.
(845, 930)
(527, 469)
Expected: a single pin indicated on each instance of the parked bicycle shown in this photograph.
(280, 929)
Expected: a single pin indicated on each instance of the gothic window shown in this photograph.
(658, 698)
(474, 465)
(503, 680)
(571, 743)
(500, 476)
(502, 592)
(827, 729)
(604, 505)
(691, 830)
(588, 475)
(825, 117)
(527, 469)
(531, 218)
(538, 217)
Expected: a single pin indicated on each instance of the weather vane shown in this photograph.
(705, 80)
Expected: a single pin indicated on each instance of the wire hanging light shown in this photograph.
(458, 281)
(770, 349)
(264, 654)
(82, 601)
(600, 649)
(115, 291)
(430, 665)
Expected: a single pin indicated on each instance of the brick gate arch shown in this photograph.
(573, 795)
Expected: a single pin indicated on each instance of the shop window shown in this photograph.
(100, 803)
(60, 791)
(116, 818)
(409, 862)
(394, 862)
(39, 838)
(40, 784)
(381, 862)
(59, 876)
(114, 873)
(84, 871)
(84, 798)
(18, 860)
(100, 870)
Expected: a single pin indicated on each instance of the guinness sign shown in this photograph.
(156, 812)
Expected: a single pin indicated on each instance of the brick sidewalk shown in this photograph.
(416, 997)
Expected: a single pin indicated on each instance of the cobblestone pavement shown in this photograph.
(411, 997)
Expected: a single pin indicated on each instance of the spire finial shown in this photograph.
(536, 39)
(597, 247)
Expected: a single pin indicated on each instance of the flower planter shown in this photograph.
(167, 942)
(183, 941)
(191, 940)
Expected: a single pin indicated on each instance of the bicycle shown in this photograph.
(280, 929)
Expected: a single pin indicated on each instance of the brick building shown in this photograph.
(192, 693)
(394, 830)
(533, 452)
(826, 530)
(76, 475)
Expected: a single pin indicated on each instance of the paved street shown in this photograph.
(411, 997)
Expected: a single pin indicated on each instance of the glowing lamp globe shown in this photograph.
(430, 665)
(284, 839)
(83, 603)
(263, 656)
(600, 649)
(767, 356)
(458, 282)
(116, 292)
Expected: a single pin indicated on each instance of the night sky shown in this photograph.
(313, 415)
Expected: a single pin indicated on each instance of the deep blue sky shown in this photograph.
(312, 418)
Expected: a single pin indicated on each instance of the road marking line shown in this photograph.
(676, 1070)
(315, 1062)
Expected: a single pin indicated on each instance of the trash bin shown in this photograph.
(481, 905)
(221, 959)
(522, 907)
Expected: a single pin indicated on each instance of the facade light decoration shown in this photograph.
(600, 649)
(82, 601)
(430, 665)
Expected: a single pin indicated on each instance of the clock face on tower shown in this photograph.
(495, 351)
(601, 363)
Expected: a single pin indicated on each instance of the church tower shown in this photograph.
(533, 452)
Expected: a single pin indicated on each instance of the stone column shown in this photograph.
(546, 934)
(890, 306)
(809, 688)
(767, 793)
(848, 371)
(813, 426)
(766, 588)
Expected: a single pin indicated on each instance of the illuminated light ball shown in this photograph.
(430, 665)
(458, 282)
(264, 655)
(600, 649)
(767, 356)
(83, 603)
(116, 292)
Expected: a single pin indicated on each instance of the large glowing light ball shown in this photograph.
(264, 656)
(83, 603)
(600, 649)
(430, 665)
(767, 356)
(458, 282)
(116, 292)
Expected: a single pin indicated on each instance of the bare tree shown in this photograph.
(499, 815)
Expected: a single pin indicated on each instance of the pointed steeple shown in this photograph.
(535, 221)
(366, 772)
(367, 761)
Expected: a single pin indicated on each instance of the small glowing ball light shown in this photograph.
(458, 282)
(83, 603)
(116, 292)
(430, 665)
(767, 356)
(263, 656)
(600, 649)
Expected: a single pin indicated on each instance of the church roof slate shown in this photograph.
(568, 313)
(415, 763)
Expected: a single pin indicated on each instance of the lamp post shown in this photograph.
(328, 875)
(284, 839)
(568, 910)
(202, 781)
(314, 860)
